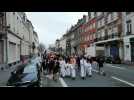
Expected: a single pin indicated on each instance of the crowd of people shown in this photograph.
(71, 66)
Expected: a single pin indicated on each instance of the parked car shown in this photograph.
(25, 76)
(108, 60)
(116, 60)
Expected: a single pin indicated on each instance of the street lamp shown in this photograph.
(33, 46)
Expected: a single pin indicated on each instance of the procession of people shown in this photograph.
(71, 66)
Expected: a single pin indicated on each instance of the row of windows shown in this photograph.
(17, 24)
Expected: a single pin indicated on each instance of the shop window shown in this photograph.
(129, 27)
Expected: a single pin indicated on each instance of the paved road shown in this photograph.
(48, 82)
(116, 76)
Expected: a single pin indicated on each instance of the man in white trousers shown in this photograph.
(88, 68)
(68, 69)
(73, 67)
(83, 67)
(62, 67)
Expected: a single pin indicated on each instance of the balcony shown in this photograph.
(113, 35)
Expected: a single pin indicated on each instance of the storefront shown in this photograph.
(132, 49)
(1, 51)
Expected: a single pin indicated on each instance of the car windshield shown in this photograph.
(30, 69)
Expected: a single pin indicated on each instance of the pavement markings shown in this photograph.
(117, 67)
(95, 70)
(128, 83)
(63, 83)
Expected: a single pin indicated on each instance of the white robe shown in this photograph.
(73, 71)
(83, 68)
(68, 69)
(88, 69)
(62, 68)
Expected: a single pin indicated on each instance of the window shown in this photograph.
(115, 30)
(99, 13)
(102, 33)
(93, 25)
(13, 13)
(109, 31)
(103, 21)
(98, 24)
(129, 27)
(109, 18)
(92, 14)
(115, 15)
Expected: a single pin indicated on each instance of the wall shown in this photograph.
(13, 50)
(91, 50)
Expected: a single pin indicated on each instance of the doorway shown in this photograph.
(1, 51)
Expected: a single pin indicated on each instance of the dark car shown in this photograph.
(25, 76)
(108, 60)
(116, 60)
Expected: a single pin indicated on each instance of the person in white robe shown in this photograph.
(83, 67)
(68, 69)
(88, 68)
(62, 67)
(73, 67)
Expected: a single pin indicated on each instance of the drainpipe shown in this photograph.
(6, 29)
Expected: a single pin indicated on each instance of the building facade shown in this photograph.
(109, 33)
(16, 37)
(35, 43)
(128, 23)
(90, 31)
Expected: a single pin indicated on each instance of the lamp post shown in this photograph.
(33, 47)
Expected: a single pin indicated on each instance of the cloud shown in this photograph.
(52, 25)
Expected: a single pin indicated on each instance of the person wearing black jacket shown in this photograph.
(78, 63)
(51, 64)
(100, 62)
(56, 69)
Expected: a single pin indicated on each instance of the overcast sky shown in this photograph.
(52, 25)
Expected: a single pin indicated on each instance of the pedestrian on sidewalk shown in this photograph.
(100, 61)
(83, 67)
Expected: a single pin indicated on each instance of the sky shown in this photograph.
(52, 25)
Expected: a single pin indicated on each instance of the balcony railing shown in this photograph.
(113, 36)
(106, 37)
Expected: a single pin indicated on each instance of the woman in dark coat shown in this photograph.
(56, 69)
(100, 62)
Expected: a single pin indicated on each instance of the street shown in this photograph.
(116, 76)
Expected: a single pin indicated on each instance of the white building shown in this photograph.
(36, 42)
(109, 34)
(17, 37)
(63, 45)
(128, 36)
